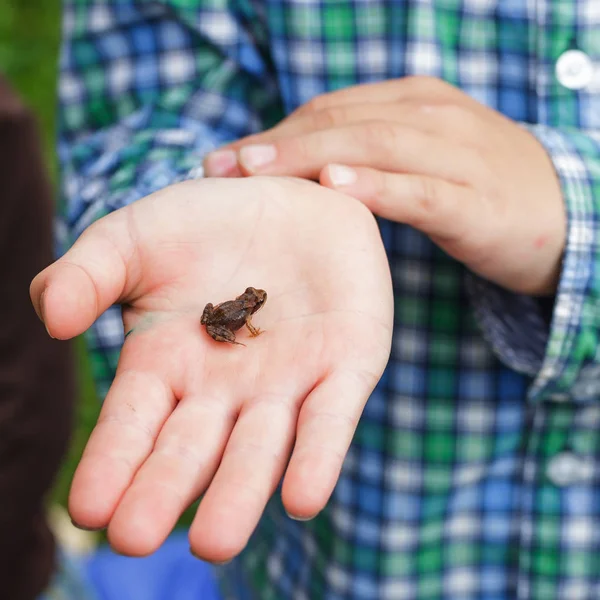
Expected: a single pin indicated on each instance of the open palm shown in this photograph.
(187, 415)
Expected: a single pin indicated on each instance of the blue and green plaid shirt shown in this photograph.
(475, 470)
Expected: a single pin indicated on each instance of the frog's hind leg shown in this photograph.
(254, 331)
(222, 334)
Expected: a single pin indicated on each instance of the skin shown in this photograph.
(424, 153)
(176, 423)
(186, 416)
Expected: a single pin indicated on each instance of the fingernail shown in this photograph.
(83, 528)
(42, 315)
(301, 519)
(118, 552)
(215, 563)
(341, 175)
(43, 311)
(220, 163)
(257, 156)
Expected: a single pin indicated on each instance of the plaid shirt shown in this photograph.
(475, 470)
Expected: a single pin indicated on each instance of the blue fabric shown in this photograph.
(171, 573)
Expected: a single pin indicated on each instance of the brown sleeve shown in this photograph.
(36, 383)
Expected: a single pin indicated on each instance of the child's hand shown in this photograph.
(187, 415)
(426, 154)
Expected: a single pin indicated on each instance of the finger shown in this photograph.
(446, 121)
(326, 425)
(225, 161)
(133, 413)
(182, 464)
(436, 207)
(251, 468)
(96, 272)
(144, 393)
(376, 144)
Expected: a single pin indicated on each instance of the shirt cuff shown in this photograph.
(563, 358)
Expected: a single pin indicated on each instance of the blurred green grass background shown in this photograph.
(29, 46)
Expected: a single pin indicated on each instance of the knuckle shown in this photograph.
(450, 112)
(424, 83)
(381, 192)
(316, 104)
(261, 451)
(272, 403)
(135, 429)
(431, 87)
(329, 118)
(426, 192)
(482, 174)
(460, 122)
(380, 134)
(366, 379)
(301, 149)
(176, 452)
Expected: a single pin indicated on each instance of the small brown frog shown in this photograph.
(223, 320)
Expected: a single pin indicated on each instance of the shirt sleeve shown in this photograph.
(561, 355)
(146, 90)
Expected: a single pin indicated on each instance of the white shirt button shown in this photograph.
(574, 69)
(567, 468)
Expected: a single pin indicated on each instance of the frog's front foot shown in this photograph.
(254, 331)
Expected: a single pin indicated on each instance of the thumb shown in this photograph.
(96, 272)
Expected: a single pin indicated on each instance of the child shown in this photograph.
(471, 473)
